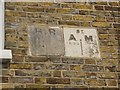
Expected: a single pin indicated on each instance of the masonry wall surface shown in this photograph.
(25, 71)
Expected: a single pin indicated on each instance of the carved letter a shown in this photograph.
(72, 37)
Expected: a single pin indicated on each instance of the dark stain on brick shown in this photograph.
(58, 81)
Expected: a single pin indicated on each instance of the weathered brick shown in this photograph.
(66, 5)
(86, 24)
(89, 68)
(112, 83)
(113, 43)
(17, 86)
(72, 60)
(116, 25)
(64, 10)
(58, 67)
(102, 31)
(100, 68)
(37, 20)
(55, 15)
(103, 36)
(33, 15)
(33, 73)
(9, 31)
(99, 8)
(90, 61)
(11, 37)
(9, 20)
(113, 49)
(21, 80)
(40, 80)
(104, 49)
(91, 75)
(50, 10)
(9, 44)
(38, 66)
(110, 75)
(75, 74)
(101, 24)
(100, 19)
(7, 72)
(75, 23)
(20, 66)
(7, 86)
(110, 19)
(80, 6)
(95, 82)
(56, 73)
(101, 3)
(19, 51)
(55, 59)
(83, 12)
(113, 3)
(22, 44)
(83, 18)
(8, 7)
(3, 79)
(58, 81)
(18, 58)
(37, 86)
(110, 68)
(45, 4)
(75, 67)
(107, 75)
(36, 59)
(32, 9)
(108, 62)
(111, 8)
(77, 82)
(105, 55)
(67, 17)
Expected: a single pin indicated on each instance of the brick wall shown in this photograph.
(25, 71)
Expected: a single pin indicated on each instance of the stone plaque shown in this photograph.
(46, 40)
(81, 42)
(55, 41)
(37, 36)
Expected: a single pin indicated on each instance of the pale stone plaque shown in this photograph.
(46, 40)
(81, 42)
(55, 41)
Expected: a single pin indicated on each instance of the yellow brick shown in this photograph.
(79, 6)
(20, 66)
(112, 83)
(76, 67)
(22, 44)
(110, 62)
(101, 24)
(83, 18)
(86, 24)
(105, 55)
(11, 38)
(90, 61)
(104, 49)
(110, 75)
(7, 86)
(40, 80)
(100, 18)
(66, 5)
(42, 87)
(64, 10)
(103, 36)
